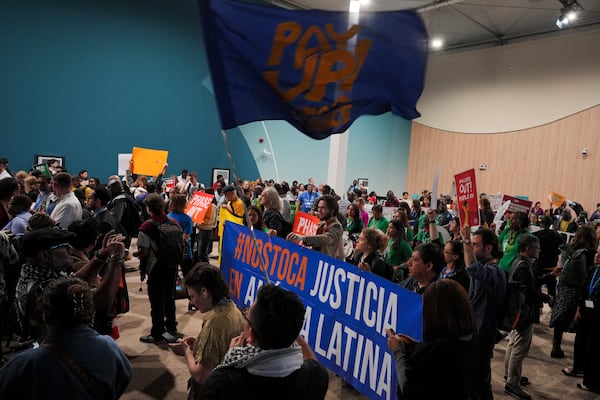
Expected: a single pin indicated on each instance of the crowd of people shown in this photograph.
(65, 240)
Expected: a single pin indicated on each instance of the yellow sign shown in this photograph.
(226, 217)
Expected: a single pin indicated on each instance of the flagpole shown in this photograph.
(263, 268)
(272, 150)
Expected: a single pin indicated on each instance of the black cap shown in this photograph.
(44, 239)
(228, 188)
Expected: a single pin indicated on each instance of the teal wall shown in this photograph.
(88, 79)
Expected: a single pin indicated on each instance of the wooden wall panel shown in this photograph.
(531, 162)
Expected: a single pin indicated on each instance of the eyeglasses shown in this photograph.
(245, 315)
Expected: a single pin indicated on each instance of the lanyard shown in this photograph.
(593, 283)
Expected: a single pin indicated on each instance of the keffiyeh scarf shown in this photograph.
(276, 363)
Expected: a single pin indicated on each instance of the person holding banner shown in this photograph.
(269, 359)
(444, 365)
(329, 238)
(234, 204)
(272, 217)
(208, 292)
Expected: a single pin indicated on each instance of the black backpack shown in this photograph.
(512, 308)
(170, 243)
(132, 215)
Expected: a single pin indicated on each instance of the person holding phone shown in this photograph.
(448, 355)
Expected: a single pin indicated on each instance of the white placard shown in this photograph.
(123, 163)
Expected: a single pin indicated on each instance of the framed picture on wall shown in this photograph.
(224, 172)
(363, 183)
(43, 159)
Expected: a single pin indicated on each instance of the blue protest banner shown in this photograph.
(315, 69)
(347, 311)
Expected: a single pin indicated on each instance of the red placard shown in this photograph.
(466, 194)
(516, 204)
(197, 206)
(169, 183)
(305, 224)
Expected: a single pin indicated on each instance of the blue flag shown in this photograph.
(347, 311)
(315, 69)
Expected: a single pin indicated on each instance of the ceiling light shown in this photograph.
(437, 43)
(568, 13)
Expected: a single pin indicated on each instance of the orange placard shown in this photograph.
(305, 224)
(556, 199)
(198, 205)
(148, 161)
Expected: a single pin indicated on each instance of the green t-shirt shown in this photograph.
(397, 256)
(380, 224)
(509, 244)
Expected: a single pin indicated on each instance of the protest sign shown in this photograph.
(225, 217)
(347, 311)
(305, 224)
(517, 204)
(198, 205)
(148, 161)
(466, 193)
(123, 160)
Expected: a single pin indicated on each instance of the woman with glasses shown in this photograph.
(208, 292)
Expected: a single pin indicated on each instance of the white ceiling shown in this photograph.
(469, 23)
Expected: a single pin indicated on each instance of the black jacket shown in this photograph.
(310, 382)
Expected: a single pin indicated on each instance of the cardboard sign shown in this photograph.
(556, 199)
(517, 204)
(148, 161)
(198, 205)
(305, 224)
(466, 193)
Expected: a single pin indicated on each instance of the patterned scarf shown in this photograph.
(31, 275)
(276, 363)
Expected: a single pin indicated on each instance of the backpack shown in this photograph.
(170, 243)
(513, 305)
(132, 215)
